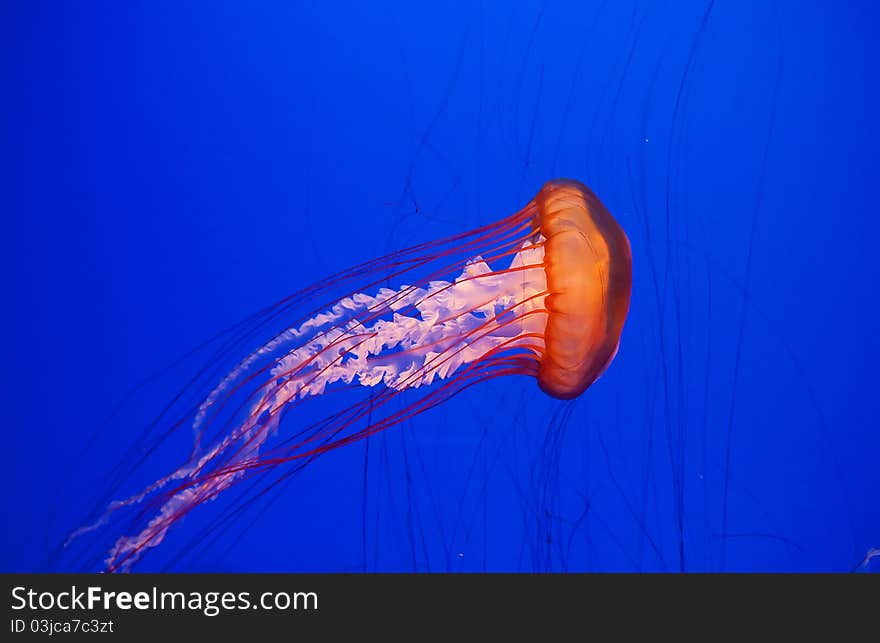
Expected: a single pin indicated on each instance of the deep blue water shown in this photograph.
(170, 168)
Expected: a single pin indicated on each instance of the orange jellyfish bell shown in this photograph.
(588, 266)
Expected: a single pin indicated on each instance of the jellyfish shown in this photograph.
(542, 293)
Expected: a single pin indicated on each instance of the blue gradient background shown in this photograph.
(169, 168)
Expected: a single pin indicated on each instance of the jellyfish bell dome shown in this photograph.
(588, 266)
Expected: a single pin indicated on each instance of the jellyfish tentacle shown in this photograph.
(402, 339)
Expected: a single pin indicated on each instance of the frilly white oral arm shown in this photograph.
(451, 324)
(415, 336)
